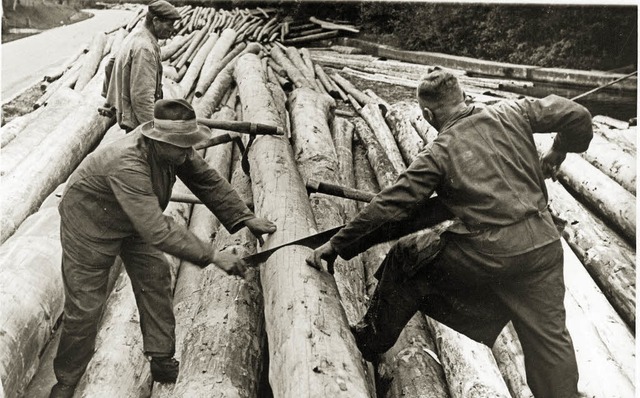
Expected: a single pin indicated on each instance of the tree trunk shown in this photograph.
(409, 142)
(91, 61)
(213, 63)
(426, 131)
(176, 43)
(384, 170)
(614, 203)
(622, 135)
(53, 160)
(61, 105)
(306, 326)
(609, 260)
(342, 132)
(349, 88)
(114, 371)
(298, 62)
(609, 158)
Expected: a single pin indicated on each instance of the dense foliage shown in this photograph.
(580, 37)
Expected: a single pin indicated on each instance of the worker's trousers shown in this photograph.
(459, 289)
(85, 274)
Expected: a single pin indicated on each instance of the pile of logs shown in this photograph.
(284, 329)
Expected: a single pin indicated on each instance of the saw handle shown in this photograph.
(242, 127)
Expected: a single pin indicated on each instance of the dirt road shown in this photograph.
(25, 61)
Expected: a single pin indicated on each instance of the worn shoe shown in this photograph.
(62, 391)
(164, 369)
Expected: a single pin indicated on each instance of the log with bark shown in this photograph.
(311, 350)
(51, 162)
(608, 258)
(615, 204)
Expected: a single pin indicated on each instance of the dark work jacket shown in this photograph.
(485, 168)
(135, 83)
(121, 190)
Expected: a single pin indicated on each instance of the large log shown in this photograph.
(342, 132)
(61, 105)
(384, 170)
(197, 64)
(399, 119)
(614, 203)
(609, 158)
(114, 371)
(91, 61)
(53, 161)
(295, 74)
(316, 157)
(510, 358)
(213, 62)
(311, 350)
(609, 260)
(224, 348)
(189, 288)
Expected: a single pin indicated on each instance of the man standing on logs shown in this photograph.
(502, 261)
(133, 80)
(112, 205)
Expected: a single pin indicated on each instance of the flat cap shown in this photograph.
(163, 10)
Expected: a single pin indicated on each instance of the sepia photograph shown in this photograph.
(318, 199)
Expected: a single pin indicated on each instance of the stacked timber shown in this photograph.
(284, 330)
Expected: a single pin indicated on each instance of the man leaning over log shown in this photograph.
(112, 205)
(503, 261)
(133, 81)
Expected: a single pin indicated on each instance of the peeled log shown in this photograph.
(53, 161)
(197, 64)
(91, 61)
(510, 358)
(399, 119)
(384, 170)
(31, 293)
(114, 371)
(372, 114)
(212, 65)
(316, 158)
(342, 132)
(311, 350)
(613, 161)
(624, 137)
(609, 260)
(12, 129)
(614, 203)
(63, 103)
(296, 75)
(224, 348)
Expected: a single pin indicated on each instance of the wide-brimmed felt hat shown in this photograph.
(174, 122)
(164, 10)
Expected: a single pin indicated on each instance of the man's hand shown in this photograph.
(259, 226)
(230, 262)
(325, 252)
(550, 163)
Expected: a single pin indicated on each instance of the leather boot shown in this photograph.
(164, 369)
(62, 391)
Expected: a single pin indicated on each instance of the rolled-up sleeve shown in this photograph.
(133, 191)
(570, 120)
(143, 84)
(215, 192)
(392, 205)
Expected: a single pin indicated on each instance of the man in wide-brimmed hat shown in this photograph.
(133, 81)
(502, 260)
(113, 205)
